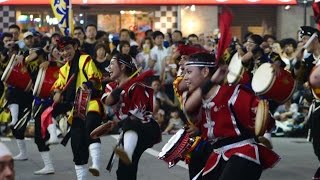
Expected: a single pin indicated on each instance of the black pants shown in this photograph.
(41, 143)
(315, 129)
(1, 88)
(148, 135)
(199, 158)
(19, 132)
(80, 136)
(24, 100)
(235, 168)
(80, 132)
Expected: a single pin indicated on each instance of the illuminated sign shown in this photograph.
(155, 2)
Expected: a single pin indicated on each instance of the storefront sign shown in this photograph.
(162, 2)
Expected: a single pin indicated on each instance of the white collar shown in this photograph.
(316, 59)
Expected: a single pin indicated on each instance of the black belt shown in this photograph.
(229, 140)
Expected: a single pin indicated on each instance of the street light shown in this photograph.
(305, 4)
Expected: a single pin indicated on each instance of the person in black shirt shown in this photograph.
(90, 42)
(102, 59)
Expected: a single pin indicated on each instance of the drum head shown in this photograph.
(263, 78)
(235, 68)
(314, 77)
(38, 83)
(262, 117)
(171, 143)
(8, 69)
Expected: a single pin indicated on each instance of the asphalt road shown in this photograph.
(298, 162)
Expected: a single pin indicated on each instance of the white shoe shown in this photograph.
(22, 156)
(48, 166)
(52, 129)
(95, 153)
(82, 171)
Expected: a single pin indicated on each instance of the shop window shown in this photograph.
(43, 22)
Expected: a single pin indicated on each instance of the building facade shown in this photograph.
(197, 19)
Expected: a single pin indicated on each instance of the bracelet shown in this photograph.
(206, 87)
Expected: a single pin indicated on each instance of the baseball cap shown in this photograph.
(308, 31)
(26, 34)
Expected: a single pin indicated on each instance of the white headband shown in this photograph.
(201, 64)
(4, 150)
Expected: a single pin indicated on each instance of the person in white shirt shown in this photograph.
(158, 54)
(288, 55)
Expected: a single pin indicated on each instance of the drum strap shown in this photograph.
(70, 92)
(313, 108)
(83, 71)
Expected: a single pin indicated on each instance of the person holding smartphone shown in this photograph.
(143, 57)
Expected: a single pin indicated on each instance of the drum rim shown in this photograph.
(8, 69)
(240, 73)
(36, 84)
(29, 86)
(162, 152)
(43, 75)
(271, 82)
(237, 78)
(264, 115)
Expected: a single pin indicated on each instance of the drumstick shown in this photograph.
(100, 130)
(314, 35)
(111, 160)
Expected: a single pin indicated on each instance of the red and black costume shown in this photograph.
(134, 110)
(228, 123)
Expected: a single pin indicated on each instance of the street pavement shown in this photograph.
(298, 162)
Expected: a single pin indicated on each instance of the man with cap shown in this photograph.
(28, 40)
(6, 163)
(86, 77)
(19, 104)
(303, 66)
(307, 70)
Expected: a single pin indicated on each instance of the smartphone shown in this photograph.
(146, 48)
